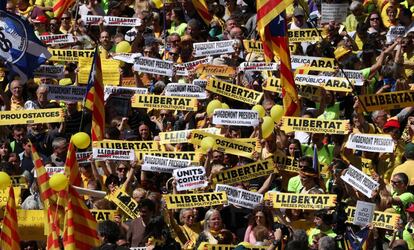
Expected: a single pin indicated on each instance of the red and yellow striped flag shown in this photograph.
(273, 33)
(95, 98)
(71, 166)
(202, 10)
(10, 239)
(61, 6)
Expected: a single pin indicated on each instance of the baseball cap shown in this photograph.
(40, 19)
(410, 209)
(298, 12)
(391, 124)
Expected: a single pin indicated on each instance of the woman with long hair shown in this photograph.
(260, 216)
(212, 227)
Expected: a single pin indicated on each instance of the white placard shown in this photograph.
(82, 157)
(182, 69)
(371, 143)
(353, 75)
(364, 213)
(186, 90)
(163, 164)
(362, 182)
(394, 32)
(126, 57)
(257, 66)
(313, 61)
(200, 82)
(337, 83)
(113, 154)
(236, 117)
(334, 12)
(51, 71)
(240, 197)
(153, 66)
(57, 39)
(111, 21)
(123, 91)
(54, 170)
(190, 178)
(213, 48)
(66, 93)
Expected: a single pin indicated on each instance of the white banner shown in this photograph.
(364, 213)
(186, 90)
(82, 157)
(190, 178)
(123, 91)
(312, 61)
(257, 66)
(57, 39)
(353, 75)
(371, 143)
(162, 164)
(200, 82)
(334, 12)
(66, 93)
(113, 154)
(182, 69)
(111, 21)
(235, 117)
(54, 170)
(153, 66)
(360, 181)
(213, 48)
(51, 71)
(394, 32)
(240, 197)
(126, 57)
(328, 82)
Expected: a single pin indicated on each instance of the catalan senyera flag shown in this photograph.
(94, 99)
(273, 33)
(71, 166)
(9, 236)
(61, 6)
(202, 10)
(80, 226)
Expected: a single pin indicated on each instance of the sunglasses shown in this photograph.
(65, 18)
(374, 18)
(122, 169)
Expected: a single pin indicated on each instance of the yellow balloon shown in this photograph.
(207, 143)
(267, 126)
(224, 106)
(123, 47)
(276, 113)
(81, 140)
(260, 110)
(58, 182)
(5, 180)
(214, 104)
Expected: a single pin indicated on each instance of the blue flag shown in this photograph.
(19, 47)
(315, 162)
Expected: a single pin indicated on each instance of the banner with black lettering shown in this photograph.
(182, 69)
(216, 70)
(181, 136)
(190, 178)
(164, 102)
(234, 91)
(253, 46)
(66, 93)
(236, 117)
(113, 154)
(301, 201)
(200, 82)
(50, 71)
(162, 164)
(57, 39)
(19, 181)
(388, 101)
(82, 157)
(354, 75)
(185, 90)
(246, 172)
(328, 82)
(69, 55)
(360, 181)
(31, 116)
(111, 21)
(380, 143)
(153, 66)
(178, 201)
(334, 12)
(102, 215)
(124, 202)
(240, 197)
(213, 48)
(311, 92)
(314, 125)
(258, 66)
(384, 220)
(223, 144)
(286, 163)
(123, 91)
(231, 247)
(134, 145)
(305, 35)
(313, 61)
(194, 157)
(54, 170)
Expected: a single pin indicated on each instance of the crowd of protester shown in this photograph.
(362, 42)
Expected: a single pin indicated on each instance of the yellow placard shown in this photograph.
(121, 144)
(388, 101)
(128, 82)
(304, 70)
(381, 219)
(70, 55)
(102, 215)
(227, 145)
(313, 125)
(110, 71)
(286, 163)
(164, 102)
(231, 247)
(253, 46)
(31, 116)
(305, 35)
(217, 70)
(301, 201)
(245, 172)
(178, 201)
(4, 196)
(31, 224)
(330, 83)
(311, 92)
(234, 91)
(194, 157)
(124, 202)
(19, 181)
(181, 136)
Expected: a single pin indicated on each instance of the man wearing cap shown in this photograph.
(408, 230)
(391, 160)
(401, 198)
(408, 166)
